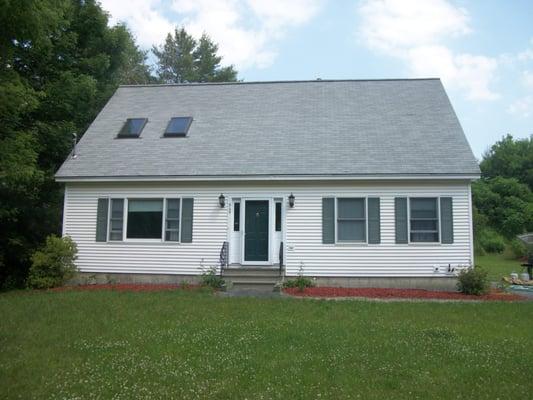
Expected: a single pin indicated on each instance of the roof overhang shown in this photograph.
(218, 178)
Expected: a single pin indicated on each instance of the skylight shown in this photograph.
(178, 126)
(132, 128)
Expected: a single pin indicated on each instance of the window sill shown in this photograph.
(141, 242)
(352, 244)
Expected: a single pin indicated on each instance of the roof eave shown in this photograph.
(212, 178)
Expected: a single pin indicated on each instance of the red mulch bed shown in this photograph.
(379, 293)
(128, 287)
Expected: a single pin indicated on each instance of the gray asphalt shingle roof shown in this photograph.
(366, 127)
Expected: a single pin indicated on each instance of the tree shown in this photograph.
(503, 197)
(511, 159)
(504, 204)
(184, 59)
(59, 63)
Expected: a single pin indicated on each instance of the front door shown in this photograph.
(256, 230)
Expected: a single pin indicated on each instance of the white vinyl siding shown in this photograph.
(302, 233)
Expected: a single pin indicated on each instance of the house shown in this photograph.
(353, 182)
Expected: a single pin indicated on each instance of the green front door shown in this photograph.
(256, 230)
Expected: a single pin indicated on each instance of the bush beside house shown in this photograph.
(53, 264)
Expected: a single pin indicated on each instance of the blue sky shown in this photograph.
(482, 50)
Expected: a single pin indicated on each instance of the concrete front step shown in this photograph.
(252, 273)
(251, 278)
(252, 286)
(245, 278)
(253, 281)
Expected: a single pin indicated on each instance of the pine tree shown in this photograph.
(184, 59)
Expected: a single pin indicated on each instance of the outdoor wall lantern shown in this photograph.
(291, 200)
(221, 200)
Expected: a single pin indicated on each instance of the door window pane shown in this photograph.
(145, 218)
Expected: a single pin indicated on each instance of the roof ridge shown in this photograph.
(319, 80)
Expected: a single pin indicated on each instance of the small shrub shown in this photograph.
(491, 241)
(301, 282)
(473, 281)
(211, 279)
(53, 264)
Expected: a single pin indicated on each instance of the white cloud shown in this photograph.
(393, 24)
(246, 30)
(464, 71)
(527, 77)
(527, 54)
(417, 32)
(522, 107)
(143, 17)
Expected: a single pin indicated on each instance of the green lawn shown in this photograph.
(498, 265)
(187, 345)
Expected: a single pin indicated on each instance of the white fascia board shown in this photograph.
(469, 177)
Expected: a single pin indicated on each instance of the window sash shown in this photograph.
(178, 126)
(424, 222)
(132, 128)
(172, 225)
(116, 220)
(356, 219)
(145, 212)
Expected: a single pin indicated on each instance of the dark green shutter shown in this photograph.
(328, 220)
(446, 220)
(400, 213)
(101, 220)
(374, 231)
(186, 220)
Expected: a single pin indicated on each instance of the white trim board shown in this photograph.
(414, 177)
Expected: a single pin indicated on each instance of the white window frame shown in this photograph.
(341, 242)
(125, 238)
(409, 241)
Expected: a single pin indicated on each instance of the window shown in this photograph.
(153, 219)
(236, 217)
(145, 218)
(172, 224)
(278, 217)
(132, 128)
(116, 217)
(178, 126)
(351, 219)
(424, 219)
